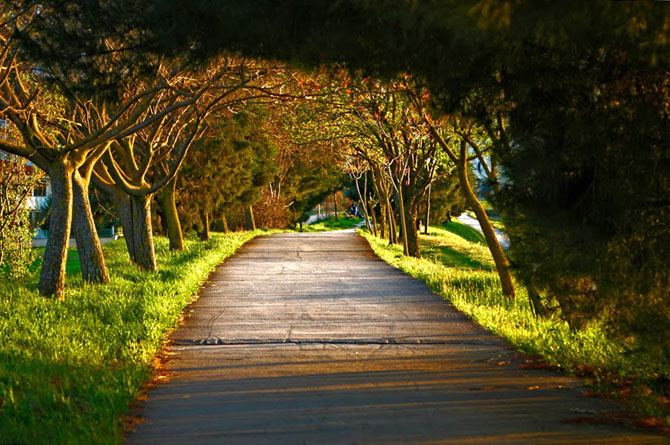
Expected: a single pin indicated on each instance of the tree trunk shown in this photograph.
(403, 220)
(412, 238)
(52, 276)
(393, 227)
(122, 204)
(382, 203)
(428, 210)
(140, 233)
(224, 220)
(249, 214)
(382, 218)
(364, 203)
(167, 199)
(371, 212)
(494, 246)
(335, 204)
(204, 233)
(93, 265)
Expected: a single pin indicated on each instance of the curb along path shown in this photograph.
(310, 338)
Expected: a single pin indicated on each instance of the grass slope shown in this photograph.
(462, 272)
(464, 231)
(69, 369)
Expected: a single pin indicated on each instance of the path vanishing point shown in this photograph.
(310, 338)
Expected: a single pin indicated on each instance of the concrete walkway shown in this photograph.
(309, 338)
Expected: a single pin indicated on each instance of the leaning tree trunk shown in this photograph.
(494, 246)
(52, 276)
(204, 233)
(249, 214)
(224, 220)
(363, 199)
(93, 266)
(167, 199)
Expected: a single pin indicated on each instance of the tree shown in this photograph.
(141, 163)
(61, 133)
(457, 150)
(588, 218)
(395, 142)
(17, 182)
(308, 159)
(226, 169)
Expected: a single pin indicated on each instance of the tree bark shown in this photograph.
(371, 212)
(403, 220)
(204, 233)
(499, 257)
(145, 255)
(93, 265)
(122, 204)
(335, 204)
(428, 210)
(136, 222)
(412, 238)
(224, 220)
(393, 227)
(249, 214)
(382, 203)
(364, 203)
(52, 276)
(167, 199)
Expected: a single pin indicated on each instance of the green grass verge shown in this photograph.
(464, 231)
(69, 369)
(462, 272)
(330, 224)
(73, 266)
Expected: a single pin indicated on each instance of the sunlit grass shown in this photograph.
(73, 266)
(462, 272)
(464, 231)
(69, 369)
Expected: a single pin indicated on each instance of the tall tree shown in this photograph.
(226, 169)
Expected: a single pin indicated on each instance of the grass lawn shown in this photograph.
(330, 224)
(69, 369)
(462, 272)
(464, 231)
(73, 266)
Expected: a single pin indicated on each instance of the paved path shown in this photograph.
(309, 338)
